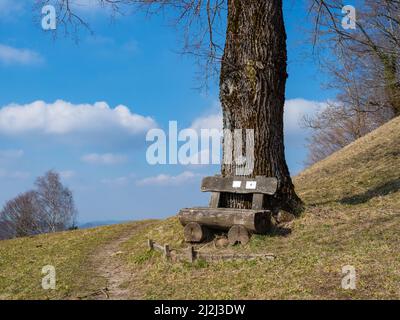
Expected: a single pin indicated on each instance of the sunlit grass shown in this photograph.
(352, 218)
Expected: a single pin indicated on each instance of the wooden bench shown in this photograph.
(253, 217)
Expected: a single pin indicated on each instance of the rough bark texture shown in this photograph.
(392, 86)
(253, 80)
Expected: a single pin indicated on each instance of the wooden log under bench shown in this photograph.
(238, 235)
(255, 221)
(194, 232)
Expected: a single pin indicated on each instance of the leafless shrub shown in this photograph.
(19, 217)
(56, 203)
(363, 65)
(49, 208)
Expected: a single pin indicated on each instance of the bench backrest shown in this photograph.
(240, 185)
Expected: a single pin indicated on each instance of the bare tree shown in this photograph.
(20, 217)
(374, 42)
(335, 127)
(49, 208)
(363, 65)
(56, 203)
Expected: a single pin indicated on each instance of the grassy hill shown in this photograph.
(352, 218)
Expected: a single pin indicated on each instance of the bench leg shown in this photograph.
(238, 235)
(258, 201)
(215, 197)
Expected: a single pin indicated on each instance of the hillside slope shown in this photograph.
(366, 169)
(352, 218)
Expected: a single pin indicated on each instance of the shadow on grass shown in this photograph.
(381, 190)
(280, 232)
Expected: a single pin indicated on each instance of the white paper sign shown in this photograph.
(251, 185)
(237, 184)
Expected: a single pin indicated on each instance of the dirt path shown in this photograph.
(107, 264)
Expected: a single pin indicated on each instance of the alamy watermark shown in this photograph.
(350, 278)
(49, 19)
(191, 147)
(350, 18)
(49, 279)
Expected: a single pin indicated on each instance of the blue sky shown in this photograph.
(84, 109)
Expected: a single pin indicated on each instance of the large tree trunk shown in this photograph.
(391, 83)
(253, 80)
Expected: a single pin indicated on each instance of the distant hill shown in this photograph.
(352, 219)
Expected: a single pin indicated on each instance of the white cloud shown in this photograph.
(67, 174)
(14, 174)
(295, 135)
(295, 109)
(206, 157)
(10, 56)
(168, 180)
(9, 8)
(119, 181)
(104, 159)
(11, 154)
(63, 118)
(212, 121)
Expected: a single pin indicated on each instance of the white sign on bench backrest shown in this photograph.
(251, 185)
(259, 185)
(237, 184)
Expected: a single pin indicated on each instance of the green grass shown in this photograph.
(22, 260)
(352, 218)
(308, 265)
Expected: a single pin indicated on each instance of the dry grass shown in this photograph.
(22, 260)
(308, 264)
(353, 218)
(366, 170)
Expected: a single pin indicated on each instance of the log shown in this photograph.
(150, 243)
(234, 256)
(191, 254)
(195, 233)
(255, 221)
(238, 235)
(166, 250)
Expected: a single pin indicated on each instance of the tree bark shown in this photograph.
(252, 91)
(391, 83)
